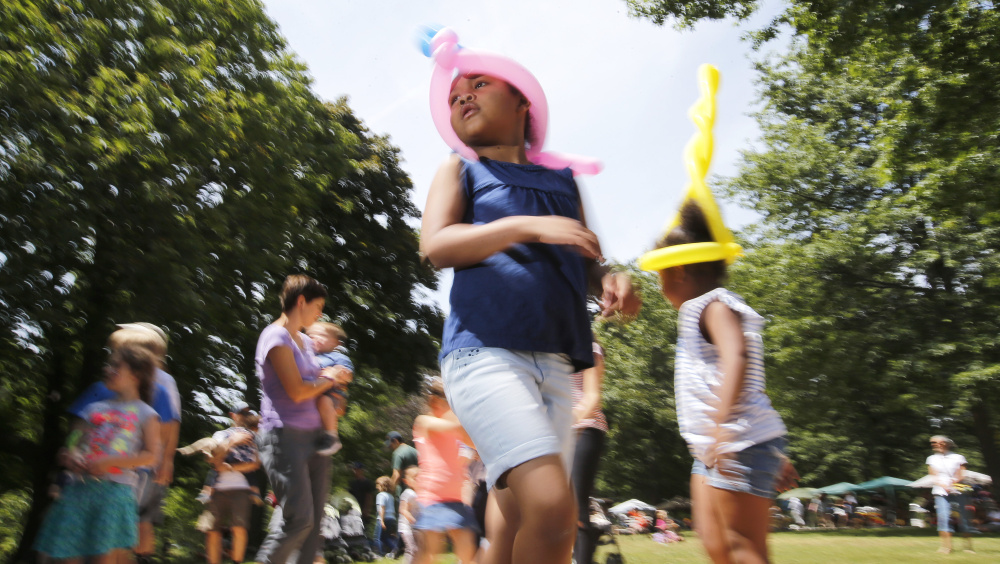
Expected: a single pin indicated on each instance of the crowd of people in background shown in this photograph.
(118, 460)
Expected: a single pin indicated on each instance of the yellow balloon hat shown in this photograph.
(698, 157)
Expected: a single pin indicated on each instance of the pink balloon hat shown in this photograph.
(451, 60)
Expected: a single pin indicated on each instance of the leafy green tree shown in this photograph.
(686, 13)
(875, 260)
(167, 161)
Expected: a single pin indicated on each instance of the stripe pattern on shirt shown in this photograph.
(697, 381)
(598, 421)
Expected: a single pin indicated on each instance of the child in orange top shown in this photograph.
(438, 435)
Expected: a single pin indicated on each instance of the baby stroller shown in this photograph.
(344, 533)
(603, 533)
(352, 532)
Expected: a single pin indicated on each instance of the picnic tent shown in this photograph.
(801, 493)
(838, 489)
(887, 483)
(890, 485)
(631, 504)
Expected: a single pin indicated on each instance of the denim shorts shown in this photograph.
(515, 405)
(753, 470)
(446, 516)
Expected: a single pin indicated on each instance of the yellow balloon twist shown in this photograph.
(697, 158)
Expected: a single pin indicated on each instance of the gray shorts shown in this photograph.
(149, 497)
(230, 508)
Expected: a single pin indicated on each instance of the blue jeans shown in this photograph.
(942, 505)
(385, 538)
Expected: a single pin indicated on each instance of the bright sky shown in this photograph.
(618, 89)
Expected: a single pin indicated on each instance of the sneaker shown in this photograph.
(204, 497)
(329, 445)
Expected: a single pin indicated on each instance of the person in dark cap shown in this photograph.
(403, 456)
(363, 490)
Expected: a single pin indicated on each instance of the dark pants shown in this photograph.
(589, 445)
(300, 479)
(479, 508)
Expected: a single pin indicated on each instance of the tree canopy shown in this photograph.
(168, 162)
(875, 259)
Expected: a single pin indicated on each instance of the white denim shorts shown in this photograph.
(515, 405)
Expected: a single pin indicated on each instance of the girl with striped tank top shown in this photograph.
(735, 435)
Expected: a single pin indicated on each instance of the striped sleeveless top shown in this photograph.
(697, 381)
(598, 421)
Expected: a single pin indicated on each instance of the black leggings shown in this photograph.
(589, 445)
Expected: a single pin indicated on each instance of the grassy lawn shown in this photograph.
(881, 546)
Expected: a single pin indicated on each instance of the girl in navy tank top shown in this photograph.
(515, 233)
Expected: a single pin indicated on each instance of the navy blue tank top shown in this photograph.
(532, 296)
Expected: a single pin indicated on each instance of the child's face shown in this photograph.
(484, 111)
(119, 377)
(322, 340)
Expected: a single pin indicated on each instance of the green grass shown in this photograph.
(880, 546)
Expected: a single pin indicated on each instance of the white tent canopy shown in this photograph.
(968, 477)
(631, 504)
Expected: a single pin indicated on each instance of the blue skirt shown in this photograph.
(90, 518)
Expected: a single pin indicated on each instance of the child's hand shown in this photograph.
(712, 457)
(240, 438)
(73, 461)
(619, 296)
(558, 230)
(339, 374)
(788, 477)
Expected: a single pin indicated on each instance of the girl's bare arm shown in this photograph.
(448, 242)
(723, 328)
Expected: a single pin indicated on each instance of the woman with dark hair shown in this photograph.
(291, 431)
(948, 469)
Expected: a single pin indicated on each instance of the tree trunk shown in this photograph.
(986, 434)
(42, 457)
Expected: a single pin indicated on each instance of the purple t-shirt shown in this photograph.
(276, 408)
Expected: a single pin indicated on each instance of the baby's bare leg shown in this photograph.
(327, 413)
